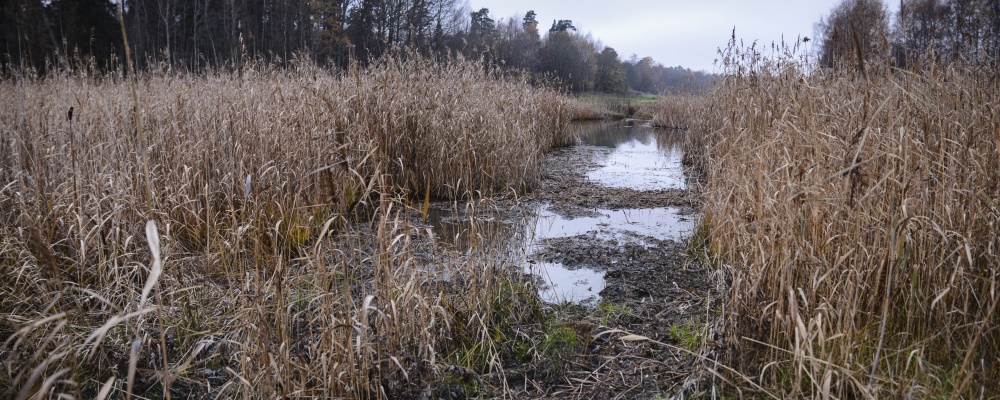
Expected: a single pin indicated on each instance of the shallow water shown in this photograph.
(622, 226)
(568, 285)
(658, 223)
(640, 159)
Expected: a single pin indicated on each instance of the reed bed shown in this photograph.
(249, 234)
(856, 213)
(675, 111)
(595, 109)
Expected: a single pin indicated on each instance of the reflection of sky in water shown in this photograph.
(658, 223)
(619, 225)
(642, 159)
(562, 284)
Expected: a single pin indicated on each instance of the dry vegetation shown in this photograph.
(277, 259)
(582, 110)
(856, 213)
(675, 111)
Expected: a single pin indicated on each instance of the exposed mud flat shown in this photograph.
(606, 239)
(627, 216)
(566, 186)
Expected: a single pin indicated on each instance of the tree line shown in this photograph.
(199, 34)
(922, 31)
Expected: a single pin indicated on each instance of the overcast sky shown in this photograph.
(673, 32)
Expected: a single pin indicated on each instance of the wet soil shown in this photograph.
(612, 257)
(655, 297)
(571, 194)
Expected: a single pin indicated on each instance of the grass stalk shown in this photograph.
(852, 211)
(307, 279)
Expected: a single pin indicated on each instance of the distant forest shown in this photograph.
(198, 34)
(922, 32)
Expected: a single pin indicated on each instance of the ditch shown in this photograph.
(606, 239)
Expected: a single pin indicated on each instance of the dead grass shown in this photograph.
(271, 236)
(616, 105)
(675, 111)
(856, 214)
(587, 109)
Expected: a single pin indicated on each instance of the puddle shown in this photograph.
(507, 230)
(658, 223)
(643, 158)
(582, 285)
(621, 226)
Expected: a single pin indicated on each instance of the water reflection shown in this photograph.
(643, 158)
(581, 285)
(656, 223)
(620, 226)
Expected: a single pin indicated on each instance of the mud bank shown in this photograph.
(653, 289)
(606, 240)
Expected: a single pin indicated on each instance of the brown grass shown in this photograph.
(857, 218)
(584, 110)
(279, 204)
(675, 111)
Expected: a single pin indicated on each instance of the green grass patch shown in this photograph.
(610, 312)
(688, 335)
(560, 344)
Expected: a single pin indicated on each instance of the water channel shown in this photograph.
(639, 158)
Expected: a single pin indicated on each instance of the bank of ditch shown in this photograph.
(609, 242)
(245, 234)
(854, 211)
(270, 234)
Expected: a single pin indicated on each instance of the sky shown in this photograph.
(686, 33)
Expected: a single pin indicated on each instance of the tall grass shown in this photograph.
(857, 213)
(675, 111)
(277, 210)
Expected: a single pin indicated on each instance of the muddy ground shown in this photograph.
(655, 291)
(568, 191)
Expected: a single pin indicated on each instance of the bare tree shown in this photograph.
(855, 31)
(951, 30)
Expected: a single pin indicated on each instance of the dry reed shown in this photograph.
(857, 217)
(278, 203)
(675, 111)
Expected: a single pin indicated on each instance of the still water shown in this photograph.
(640, 158)
(620, 226)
